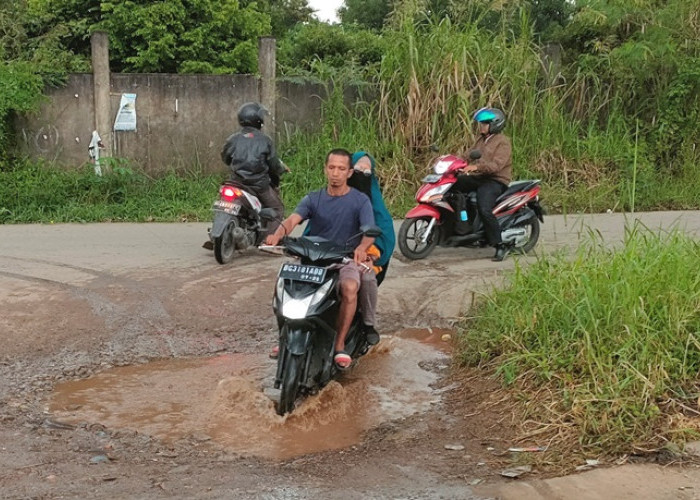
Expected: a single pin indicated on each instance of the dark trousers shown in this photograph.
(270, 198)
(487, 191)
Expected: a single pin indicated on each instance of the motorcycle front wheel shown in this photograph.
(224, 246)
(532, 228)
(411, 235)
(291, 379)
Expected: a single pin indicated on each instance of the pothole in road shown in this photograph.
(227, 398)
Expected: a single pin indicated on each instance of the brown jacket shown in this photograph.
(496, 158)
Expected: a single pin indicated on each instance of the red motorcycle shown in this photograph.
(434, 221)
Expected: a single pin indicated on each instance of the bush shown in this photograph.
(37, 192)
(605, 345)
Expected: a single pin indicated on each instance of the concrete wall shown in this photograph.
(182, 120)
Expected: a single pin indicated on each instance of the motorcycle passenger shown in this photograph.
(490, 174)
(364, 179)
(251, 156)
(336, 213)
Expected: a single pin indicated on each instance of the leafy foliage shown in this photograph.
(175, 36)
(332, 46)
(31, 192)
(213, 36)
(20, 90)
(609, 344)
(370, 14)
(284, 14)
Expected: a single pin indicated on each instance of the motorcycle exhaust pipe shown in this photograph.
(239, 238)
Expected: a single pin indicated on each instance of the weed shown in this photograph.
(609, 339)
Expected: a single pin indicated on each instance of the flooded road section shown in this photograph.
(229, 398)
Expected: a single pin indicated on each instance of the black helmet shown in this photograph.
(252, 114)
(493, 116)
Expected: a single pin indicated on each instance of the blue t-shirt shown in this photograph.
(336, 218)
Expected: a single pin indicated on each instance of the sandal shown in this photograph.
(342, 360)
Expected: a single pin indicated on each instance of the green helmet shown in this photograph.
(493, 116)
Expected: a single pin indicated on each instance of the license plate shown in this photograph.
(431, 178)
(299, 272)
(227, 206)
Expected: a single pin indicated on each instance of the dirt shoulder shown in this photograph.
(77, 300)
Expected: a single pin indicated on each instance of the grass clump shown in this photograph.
(35, 192)
(603, 346)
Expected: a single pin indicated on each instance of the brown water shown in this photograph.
(229, 398)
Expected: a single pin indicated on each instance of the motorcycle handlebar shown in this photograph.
(272, 249)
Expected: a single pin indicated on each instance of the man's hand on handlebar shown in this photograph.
(360, 256)
(272, 239)
(468, 169)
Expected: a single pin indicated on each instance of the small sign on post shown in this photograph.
(94, 152)
(126, 116)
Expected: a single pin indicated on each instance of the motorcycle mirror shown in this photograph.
(434, 148)
(474, 154)
(371, 231)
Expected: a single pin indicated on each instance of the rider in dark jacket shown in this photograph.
(251, 156)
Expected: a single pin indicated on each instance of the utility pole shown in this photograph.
(101, 84)
(267, 61)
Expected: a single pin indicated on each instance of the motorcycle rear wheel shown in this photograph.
(224, 246)
(532, 225)
(291, 379)
(411, 231)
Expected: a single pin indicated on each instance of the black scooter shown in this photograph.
(239, 222)
(306, 305)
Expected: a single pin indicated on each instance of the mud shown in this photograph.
(229, 399)
(134, 366)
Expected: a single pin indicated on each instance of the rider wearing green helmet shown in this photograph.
(489, 172)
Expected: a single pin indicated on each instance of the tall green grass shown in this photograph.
(353, 127)
(606, 342)
(577, 135)
(38, 192)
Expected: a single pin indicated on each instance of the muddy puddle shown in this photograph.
(229, 398)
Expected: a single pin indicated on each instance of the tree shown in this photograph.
(212, 36)
(333, 46)
(369, 14)
(549, 16)
(20, 83)
(284, 14)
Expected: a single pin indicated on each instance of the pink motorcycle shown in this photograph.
(433, 221)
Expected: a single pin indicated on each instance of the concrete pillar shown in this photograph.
(551, 55)
(267, 61)
(101, 83)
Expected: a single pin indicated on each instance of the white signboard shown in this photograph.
(126, 117)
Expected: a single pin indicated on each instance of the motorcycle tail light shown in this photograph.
(229, 193)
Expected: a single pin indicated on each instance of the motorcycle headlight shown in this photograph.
(295, 308)
(299, 308)
(436, 192)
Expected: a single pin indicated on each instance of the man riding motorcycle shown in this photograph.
(336, 213)
(489, 175)
(251, 156)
